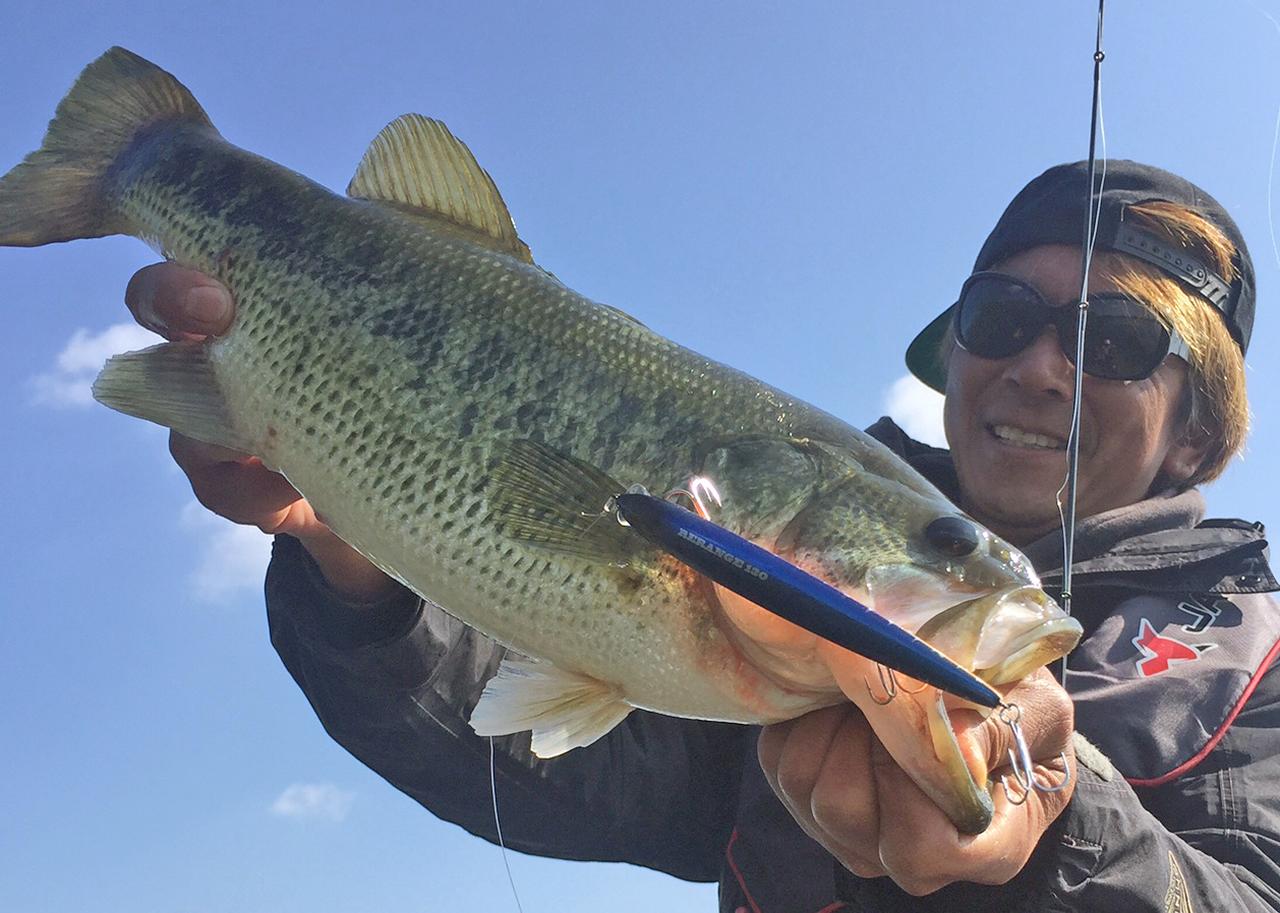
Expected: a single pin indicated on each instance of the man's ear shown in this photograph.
(1186, 454)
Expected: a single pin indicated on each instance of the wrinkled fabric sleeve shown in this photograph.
(1207, 842)
(394, 683)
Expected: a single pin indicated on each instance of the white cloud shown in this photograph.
(313, 800)
(917, 409)
(68, 384)
(233, 557)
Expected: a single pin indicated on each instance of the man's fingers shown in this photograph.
(179, 303)
(919, 847)
(769, 749)
(843, 794)
(192, 455)
(1045, 716)
(246, 493)
(799, 760)
(238, 487)
(843, 801)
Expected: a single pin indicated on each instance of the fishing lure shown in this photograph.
(783, 589)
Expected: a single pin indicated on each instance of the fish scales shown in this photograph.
(478, 349)
(452, 410)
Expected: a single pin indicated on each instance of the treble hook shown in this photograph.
(1021, 763)
(889, 682)
(700, 487)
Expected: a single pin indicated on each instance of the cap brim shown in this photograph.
(924, 355)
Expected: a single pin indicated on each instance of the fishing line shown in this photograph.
(1271, 176)
(1095, 215)
(497, 824)
(1090, 236)
(1275, 142)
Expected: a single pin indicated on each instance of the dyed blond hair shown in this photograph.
(1217, 409)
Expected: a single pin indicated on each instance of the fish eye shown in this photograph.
(955, 537)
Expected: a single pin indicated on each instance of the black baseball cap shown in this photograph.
(1051, 210)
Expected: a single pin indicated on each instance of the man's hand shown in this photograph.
(181, 304)
(847, 793)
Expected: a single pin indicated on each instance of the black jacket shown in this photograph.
(1173, 681)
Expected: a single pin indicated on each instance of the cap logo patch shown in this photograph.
(1160, 652)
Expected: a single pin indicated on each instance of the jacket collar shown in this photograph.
(1102, 532)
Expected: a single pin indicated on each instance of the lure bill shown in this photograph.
(789, 592)
(459, 416)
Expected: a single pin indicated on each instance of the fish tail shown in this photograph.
(58, 193)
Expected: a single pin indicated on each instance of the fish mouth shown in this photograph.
(1052, 639)
(944, 774)
(965, 800)
(1003, 638)
(968, 805)
(1022, 628)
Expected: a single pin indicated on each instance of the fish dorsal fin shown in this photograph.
(418, 166)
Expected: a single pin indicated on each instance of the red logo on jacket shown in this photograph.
(1160, 652)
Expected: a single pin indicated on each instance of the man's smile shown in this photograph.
(1022, 437)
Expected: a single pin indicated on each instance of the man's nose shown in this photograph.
(1042, 367)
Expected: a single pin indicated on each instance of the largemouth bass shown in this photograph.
(461, 418)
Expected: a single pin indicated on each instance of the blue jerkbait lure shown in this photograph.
(783, 589)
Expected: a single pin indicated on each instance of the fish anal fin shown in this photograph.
(418, 167)
(555, 502)
(565, 710)
(172, 384)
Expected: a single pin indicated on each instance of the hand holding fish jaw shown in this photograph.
(182, 304)
(846, 792)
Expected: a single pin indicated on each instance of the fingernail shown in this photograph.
(207, 305)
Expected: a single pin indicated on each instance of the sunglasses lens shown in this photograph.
(1123, 340)
(998, 317)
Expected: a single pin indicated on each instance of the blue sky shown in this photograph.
(792, 188)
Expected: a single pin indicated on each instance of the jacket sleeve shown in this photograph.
(1209, 841)
(394, 683)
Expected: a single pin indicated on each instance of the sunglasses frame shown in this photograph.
(1065, 326)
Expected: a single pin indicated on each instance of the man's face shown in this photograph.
(1007, 420)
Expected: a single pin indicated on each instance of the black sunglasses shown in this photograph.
(998, 316)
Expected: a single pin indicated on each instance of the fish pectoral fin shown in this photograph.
(565, 710)
(172, 384)
(420, 168)
(555, 502)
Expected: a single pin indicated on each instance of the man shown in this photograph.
(1172, 680)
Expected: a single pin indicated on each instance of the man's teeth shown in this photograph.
(1026, 438)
